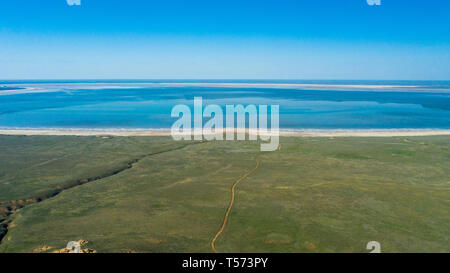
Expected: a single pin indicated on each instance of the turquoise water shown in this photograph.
(150, 107)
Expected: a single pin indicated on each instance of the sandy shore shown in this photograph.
(166, 132)
(58, 87)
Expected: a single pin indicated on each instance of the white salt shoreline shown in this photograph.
(58, 87)
(283, 132)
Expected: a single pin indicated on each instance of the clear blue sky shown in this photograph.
(193, 39)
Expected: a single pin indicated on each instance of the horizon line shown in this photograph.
(210, 79)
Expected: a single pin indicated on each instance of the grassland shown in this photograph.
(151, 194)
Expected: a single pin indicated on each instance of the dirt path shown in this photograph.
(227, 214)
(233, 189)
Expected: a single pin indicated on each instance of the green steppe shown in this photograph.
(152, 194)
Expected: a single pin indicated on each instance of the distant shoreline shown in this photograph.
(30, 88)
(283, 132)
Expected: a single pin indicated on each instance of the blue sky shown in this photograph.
(314, 39)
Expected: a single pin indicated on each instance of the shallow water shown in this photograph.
(56, 106)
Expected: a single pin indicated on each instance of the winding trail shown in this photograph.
(230, 206)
